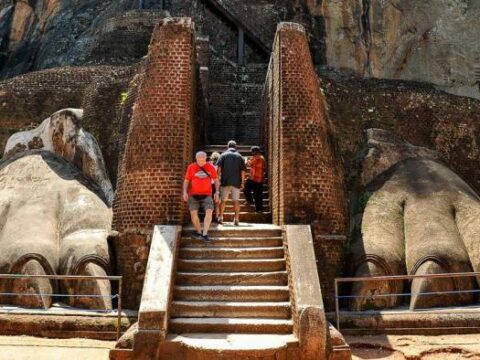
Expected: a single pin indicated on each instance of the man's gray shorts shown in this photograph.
(226, 190)
(206, 203)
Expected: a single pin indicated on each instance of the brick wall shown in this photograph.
(159, 143)
(25, 101)
(306, 178)
(131, 254)
(102, 104)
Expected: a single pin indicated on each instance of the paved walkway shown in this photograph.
(32, 348)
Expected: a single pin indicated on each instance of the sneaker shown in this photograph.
(206, 238)
(236, 222)
(220, 220)
(197, 236)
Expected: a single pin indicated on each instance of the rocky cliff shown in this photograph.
(432, 41)
(39, 34)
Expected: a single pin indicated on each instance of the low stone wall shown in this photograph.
(310, 325)
(305, 177)
(157, 291)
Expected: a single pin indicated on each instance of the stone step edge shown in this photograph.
(233, 273)
(231, 261)
(232, 288)
(211, 341)
(239, 239)
(233, 303)
(266, 248)
(232, 321)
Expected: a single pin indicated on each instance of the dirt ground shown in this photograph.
(408, 347)
(381, 347)
(31, 348)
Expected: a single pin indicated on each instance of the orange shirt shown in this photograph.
(200, 182)
(257, 168)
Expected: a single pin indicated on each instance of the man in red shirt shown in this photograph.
(255, 180)
(197, 192)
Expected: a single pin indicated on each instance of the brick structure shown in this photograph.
(306, 180)
(102, 105)
(160, 141)
(23, 102)
(131, 254)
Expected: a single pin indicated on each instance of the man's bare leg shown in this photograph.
(207, 221)
(222, 209)
(196, 221)
(237, 210)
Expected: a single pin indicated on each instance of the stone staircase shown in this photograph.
(235, 286)
(252, 293)
(247, 213)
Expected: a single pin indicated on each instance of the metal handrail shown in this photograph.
(74, 277)
(393, 278)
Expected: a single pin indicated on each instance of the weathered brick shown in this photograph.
(305, 177)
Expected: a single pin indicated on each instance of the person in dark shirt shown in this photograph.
(231, 169)
(255, 181)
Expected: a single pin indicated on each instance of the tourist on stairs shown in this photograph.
(231, 170)
(197, 192)
(213, 160)
(255, 180)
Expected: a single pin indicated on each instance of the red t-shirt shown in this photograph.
(257, 165)
(200, 183)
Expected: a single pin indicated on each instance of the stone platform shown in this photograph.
(63, 322)
(437, 321)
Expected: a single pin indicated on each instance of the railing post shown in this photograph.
(119, 308)
(337, 305)
(241, 47)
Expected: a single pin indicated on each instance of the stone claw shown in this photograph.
(31, 286)
(97, 293)
(365, 290)
(428, 285)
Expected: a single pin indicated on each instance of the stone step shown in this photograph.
(242, 231)
(249, 217)
(224, 309)
(245, 278)
(244, 265)
(222, 148)
(217, 346)
(232, 253)
(245, 208)
(266, 197)
(234, 242)
(231, 293)
(230, 325)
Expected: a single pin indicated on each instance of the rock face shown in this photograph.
(429, 40)
(50, 33)
(419, 218)
(63, 135)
